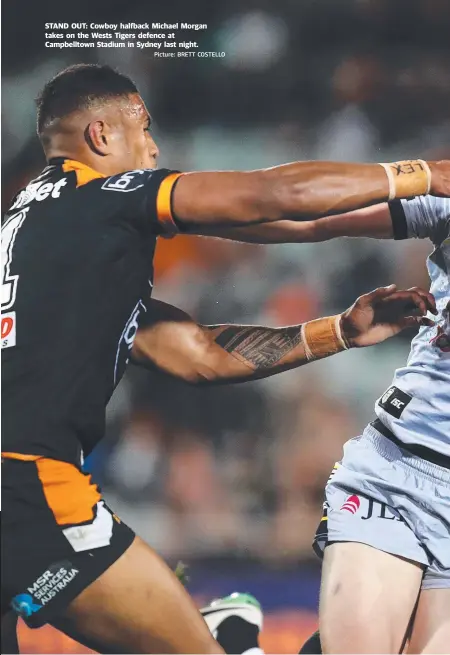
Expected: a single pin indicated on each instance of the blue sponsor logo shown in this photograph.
(24, 606)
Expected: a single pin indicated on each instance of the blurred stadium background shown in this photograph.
(230, 479)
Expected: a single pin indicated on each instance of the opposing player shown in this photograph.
(78, 244)
(386, 527)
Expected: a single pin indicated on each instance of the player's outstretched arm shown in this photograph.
(299, 191)
(171, 341)
(375, 221)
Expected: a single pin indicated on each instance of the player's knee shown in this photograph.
(349, 625)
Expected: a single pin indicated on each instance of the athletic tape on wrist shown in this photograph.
(323, 337)
(408, 178)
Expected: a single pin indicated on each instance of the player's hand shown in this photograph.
(385, 312)
(440, 178)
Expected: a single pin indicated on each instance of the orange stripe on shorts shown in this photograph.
(21, 457)
(69, 493)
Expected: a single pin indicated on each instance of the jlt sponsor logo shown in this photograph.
(369, 509)
(379, 510)
(352, 504)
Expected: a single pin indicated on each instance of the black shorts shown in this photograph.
(58, 536)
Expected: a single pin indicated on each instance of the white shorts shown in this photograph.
(383, 496)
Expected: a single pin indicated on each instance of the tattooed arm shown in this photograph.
(212, 354)
(171, 341)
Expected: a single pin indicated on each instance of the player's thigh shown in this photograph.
(431, 629)
(366, 600)
(138, 605)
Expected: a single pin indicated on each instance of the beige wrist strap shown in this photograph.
(408, 178)
(323, 337)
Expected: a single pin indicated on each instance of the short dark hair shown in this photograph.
(78, 87)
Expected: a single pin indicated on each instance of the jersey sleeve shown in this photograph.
(140, 198)
(423, 217)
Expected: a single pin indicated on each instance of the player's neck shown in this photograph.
(95, 163)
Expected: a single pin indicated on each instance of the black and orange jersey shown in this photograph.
(77, 267)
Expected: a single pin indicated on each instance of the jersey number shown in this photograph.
(9, 282)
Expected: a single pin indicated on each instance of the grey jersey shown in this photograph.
(416, 408)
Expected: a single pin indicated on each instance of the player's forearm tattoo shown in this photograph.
(258, 347)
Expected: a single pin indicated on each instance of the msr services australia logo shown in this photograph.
(44, 588)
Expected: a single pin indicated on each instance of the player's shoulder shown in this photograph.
(48, 184)
(65, 175)
(139, 198)
(124, 182)
(58, 186)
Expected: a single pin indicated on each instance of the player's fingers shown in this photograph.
(415, 321)
(423, 320)
(428, 297)
(421, 300)
(377, 294)
(408, 301)
(408, 322)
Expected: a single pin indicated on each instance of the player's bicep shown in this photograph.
(222, 198)
(169, 340)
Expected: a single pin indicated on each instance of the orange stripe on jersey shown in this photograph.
(21, 457)
(84, 173)
(164, 203)
(69, 493)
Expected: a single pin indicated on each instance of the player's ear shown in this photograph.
(98, 137)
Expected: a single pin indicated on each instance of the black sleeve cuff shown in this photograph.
(182, 227)
(159, 195)
(399, 224)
